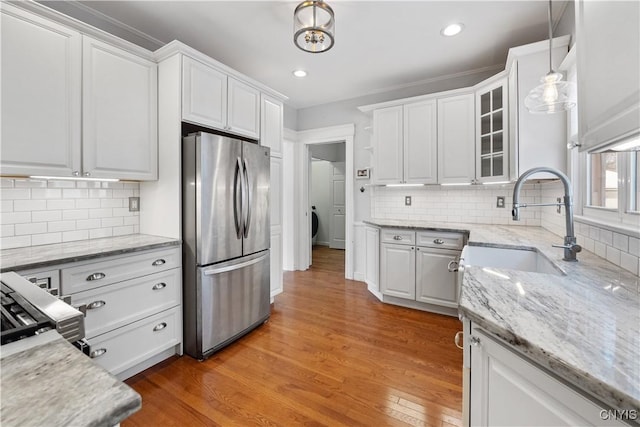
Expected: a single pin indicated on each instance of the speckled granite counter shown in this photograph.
(583, 326)
(46, 255)
(65, 387)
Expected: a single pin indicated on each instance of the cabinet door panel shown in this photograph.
(387, 145)
(243, 109)
(276, 262)
(397, 271)
(420, 143)
(372, 257)
(41, 95)
(456, 142)
(435, 284)
(271, 124)
(119, 113)
(492, 124)
(204, 94)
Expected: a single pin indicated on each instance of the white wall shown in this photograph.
(321, 182)
(39, 212)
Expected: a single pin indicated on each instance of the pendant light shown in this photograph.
(554, 94)
(313, 26)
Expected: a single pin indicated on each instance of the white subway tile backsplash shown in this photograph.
(634, 246)
(613, 255)
(46, 239)
(600, 249)
(621, 241)
(29, 205)
(629, 262)
(606, 237)
(31, 228)
(39, 212)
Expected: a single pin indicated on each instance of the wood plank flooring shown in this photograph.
(331, 355)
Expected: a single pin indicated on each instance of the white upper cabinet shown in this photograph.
(492, 143)
(387, 146)
(72, 105)
(420, 142)
(271, 124)
(213, 99)
(405, 144)
(608, 66)
(41, 101)
(204, 94)
(119, 113)
(535, 139)
(456, 139)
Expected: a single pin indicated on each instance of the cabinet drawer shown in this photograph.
(113, 306)
(116, 269)
(398, 236)
(125, 347)
(440, 239)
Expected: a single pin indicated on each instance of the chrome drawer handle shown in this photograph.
(159, 327)
(96, 276)
(96, 304)
(453, 265)
(475, 341)
(458, 340)
(97, 353)
(159, 286)
(158, 262)
(438, 241)
(397, 237)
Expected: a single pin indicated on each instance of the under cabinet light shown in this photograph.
(455, 183)
(495, 183)
(405, 185)
(74, 178)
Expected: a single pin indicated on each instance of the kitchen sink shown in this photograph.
(523, 259)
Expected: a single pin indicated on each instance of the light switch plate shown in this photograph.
(407, 200)
(134, 204)
(500, 202)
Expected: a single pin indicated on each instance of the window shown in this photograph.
(604, 180)
(634, 198)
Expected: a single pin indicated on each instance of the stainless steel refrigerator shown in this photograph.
(226, 236)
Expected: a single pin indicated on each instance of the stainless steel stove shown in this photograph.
(28, 311)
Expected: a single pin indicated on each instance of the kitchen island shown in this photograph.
(583, 325)
(53, 384)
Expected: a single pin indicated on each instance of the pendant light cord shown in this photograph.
(550, 38)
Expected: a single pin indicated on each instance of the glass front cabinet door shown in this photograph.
(492, 145)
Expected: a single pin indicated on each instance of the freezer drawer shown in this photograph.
(234, 299)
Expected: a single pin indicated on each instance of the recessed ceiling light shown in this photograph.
(451, 30)
(300, 73)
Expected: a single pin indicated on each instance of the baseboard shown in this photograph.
(374, 292)
(358, 276)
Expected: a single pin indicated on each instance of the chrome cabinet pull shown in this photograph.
(453, 265)
(97, 353)
(458, 339)
(475, 341)
(397, 237)
(438, 241)
(75, 173)
(159, 286)
(158, 262)
(159, 327)
(96, 304)
(96, 276)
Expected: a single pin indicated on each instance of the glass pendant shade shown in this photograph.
(551, 96)
(313, 26)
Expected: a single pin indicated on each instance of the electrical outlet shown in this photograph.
(134, 204)
(407, 200)
(500, 202)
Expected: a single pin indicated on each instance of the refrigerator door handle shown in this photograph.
(247, 222)
(217, 270)
(237, 216)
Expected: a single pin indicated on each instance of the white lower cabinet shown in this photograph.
(508, 390)
(414, 266)
(372, 258)
(276, 263)
(133, 307)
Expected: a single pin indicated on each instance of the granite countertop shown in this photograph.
(47, 255)
(584, 326)
(65, 386)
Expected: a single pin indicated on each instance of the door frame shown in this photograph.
(341, 133)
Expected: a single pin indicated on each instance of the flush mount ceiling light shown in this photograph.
(553, 95)
(451, 30)
(300, 73)
(313, 26)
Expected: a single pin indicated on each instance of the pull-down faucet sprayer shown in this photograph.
(570, 246)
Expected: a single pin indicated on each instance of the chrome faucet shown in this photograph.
(570, 246)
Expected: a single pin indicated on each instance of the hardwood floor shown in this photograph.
(331, 355)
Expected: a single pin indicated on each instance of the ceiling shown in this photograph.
(380, 45)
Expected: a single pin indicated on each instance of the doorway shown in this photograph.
(327, 198)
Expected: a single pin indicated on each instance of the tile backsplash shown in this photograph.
(474, 204)
(619, 247)
(38, 212)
